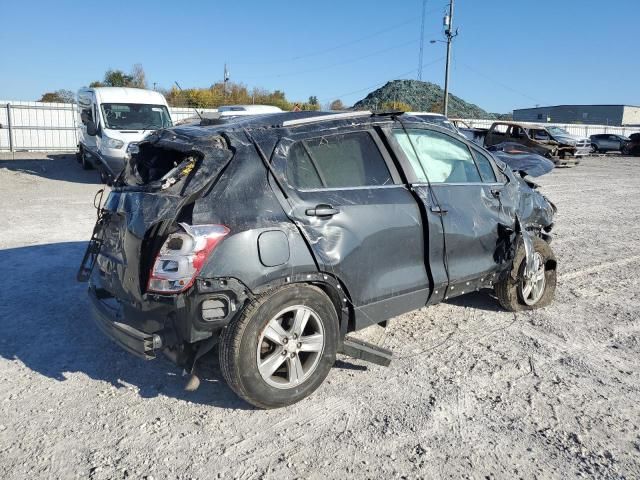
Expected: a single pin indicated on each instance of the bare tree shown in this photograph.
(336, 105)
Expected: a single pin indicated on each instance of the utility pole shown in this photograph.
(424, 11)
(225, 79)
(448, 25)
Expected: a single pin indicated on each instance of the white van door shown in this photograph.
(86, 105)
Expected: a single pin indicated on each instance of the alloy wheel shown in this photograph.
(290, 347)
(532, 285)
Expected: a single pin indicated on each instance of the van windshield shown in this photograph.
(135, 116)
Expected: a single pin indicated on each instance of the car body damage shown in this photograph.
(364, 216)
(522, 159)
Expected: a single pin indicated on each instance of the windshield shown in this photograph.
(135, 116)
(557, 131)
(438, 120)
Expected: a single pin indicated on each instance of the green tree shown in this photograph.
(59, 96)
(313, 100)
(118, 78)
(396, 107)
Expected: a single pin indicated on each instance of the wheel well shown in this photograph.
(551, 264)
(331, 286)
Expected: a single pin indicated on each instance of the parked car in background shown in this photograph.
(547, 140)
(632, 147)
(275, 236)
(475, 134)
(241, 110)
(111, 120)
(607, 142)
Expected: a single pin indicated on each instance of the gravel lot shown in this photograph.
(474, 391)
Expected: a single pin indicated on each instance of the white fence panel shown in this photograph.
(34, 126)
(54, 126)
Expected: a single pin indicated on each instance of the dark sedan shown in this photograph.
(606, 142)
(632, 147)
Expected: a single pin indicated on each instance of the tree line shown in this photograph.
(219, 93)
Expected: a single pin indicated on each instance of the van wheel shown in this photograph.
(282, 346)
(516, 292)
(84, 161)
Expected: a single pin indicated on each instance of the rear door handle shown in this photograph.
(321, 211)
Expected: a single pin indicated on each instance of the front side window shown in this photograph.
(337, 161)
(135, 116)
(437, 157)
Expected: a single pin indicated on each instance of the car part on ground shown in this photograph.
(234, 232)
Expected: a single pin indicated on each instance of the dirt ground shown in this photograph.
(474, 391)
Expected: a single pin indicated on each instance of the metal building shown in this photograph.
(614, 115)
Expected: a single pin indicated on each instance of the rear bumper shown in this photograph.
(139, 343)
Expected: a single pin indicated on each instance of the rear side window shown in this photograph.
(485, 168)
(440, 158)
(337, 161)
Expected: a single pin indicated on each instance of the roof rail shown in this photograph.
(322, 118)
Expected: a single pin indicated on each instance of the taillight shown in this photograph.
(182, 256)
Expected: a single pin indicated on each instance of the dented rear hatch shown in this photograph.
(158, 187)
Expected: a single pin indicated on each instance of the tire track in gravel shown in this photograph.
(599, 267)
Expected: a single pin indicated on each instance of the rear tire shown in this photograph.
(265, 335)
(594, 148)
(512, 290)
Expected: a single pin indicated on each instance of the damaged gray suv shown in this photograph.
(274, 237)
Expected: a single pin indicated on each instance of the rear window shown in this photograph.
(337, 161)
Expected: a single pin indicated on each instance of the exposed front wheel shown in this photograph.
(282, 346)
(521, 291)
(594, 148)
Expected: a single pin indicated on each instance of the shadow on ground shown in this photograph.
(56, 166)
(482, 300)
(45, 323)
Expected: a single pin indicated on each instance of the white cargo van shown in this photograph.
(111, 119)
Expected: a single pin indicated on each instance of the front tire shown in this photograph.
(84, 161)
(516, 292)
(281, 348)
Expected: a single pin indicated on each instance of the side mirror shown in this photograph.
(92, 130)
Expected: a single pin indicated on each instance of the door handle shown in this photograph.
(321, 211)
(438, 210)
(495, 192)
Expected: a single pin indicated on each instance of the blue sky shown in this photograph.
(509, 53)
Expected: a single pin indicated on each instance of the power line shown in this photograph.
(336, 47)
(399, 75)
(343, 62)
(507, 87)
